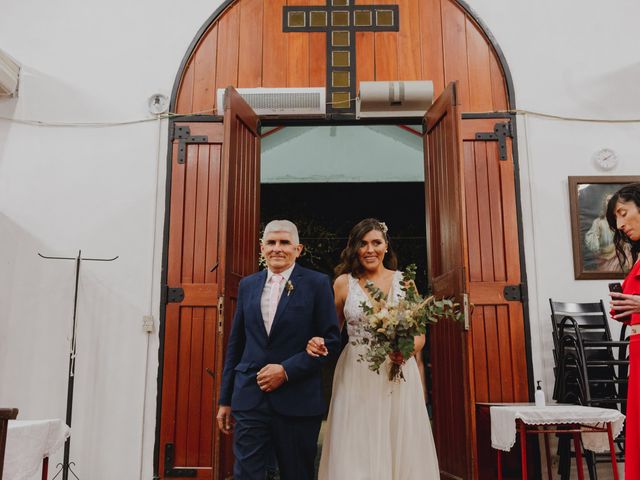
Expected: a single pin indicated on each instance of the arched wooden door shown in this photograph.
(213, 232)
(244, 44)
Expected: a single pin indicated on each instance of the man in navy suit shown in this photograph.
(269, 382)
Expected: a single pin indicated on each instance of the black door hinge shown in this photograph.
(514, 293)
(183, 134)
(173, 294)
(500, 133)
(169, 459)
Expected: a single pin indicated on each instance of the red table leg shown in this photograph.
(576, 446)
(499, 464)
(547, 455)
(612, 449)
(523, 449)
(45, 468)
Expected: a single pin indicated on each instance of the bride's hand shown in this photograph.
(397, 358)
(316, 347)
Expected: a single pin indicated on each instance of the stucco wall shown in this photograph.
(68, 188)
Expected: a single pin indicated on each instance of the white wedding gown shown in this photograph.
(377, 429)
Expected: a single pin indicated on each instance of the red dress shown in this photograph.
(631, 285)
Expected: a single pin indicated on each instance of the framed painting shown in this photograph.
(594, 255)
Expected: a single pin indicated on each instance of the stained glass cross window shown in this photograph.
(340, 20)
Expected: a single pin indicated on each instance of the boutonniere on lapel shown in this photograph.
(289, 287)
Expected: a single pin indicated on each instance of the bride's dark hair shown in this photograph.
(628, 193)
(349, 261)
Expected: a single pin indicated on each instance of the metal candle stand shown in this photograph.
(65, 466)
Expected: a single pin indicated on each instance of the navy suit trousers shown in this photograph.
(257, 432)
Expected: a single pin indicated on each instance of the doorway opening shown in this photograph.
(327, 178)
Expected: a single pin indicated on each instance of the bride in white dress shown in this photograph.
(376, 429)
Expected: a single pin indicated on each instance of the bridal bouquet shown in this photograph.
(390, 328)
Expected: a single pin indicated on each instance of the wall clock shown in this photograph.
(605, 159)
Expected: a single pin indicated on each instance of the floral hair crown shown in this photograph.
(383, 227)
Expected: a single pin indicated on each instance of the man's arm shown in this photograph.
(235, 348)
(301, 364)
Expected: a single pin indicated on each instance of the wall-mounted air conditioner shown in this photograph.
(394, 99)
(280, 101)
(9, 73)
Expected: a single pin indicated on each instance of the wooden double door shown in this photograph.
(213, 242)
(473, 251)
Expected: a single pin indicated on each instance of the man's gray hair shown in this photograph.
(282, 226)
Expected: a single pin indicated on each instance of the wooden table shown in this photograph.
(574, 419)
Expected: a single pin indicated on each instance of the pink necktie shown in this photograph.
(274, 296)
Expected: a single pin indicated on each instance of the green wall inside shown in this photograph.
(339, 154)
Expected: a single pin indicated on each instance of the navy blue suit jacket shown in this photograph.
(308, 310)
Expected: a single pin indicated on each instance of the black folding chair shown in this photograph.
(590, 367)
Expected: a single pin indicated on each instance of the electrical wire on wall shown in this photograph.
(209, 112)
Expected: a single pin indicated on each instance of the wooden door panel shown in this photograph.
(187, 410)
(239, 225)
(453, 403)
(274, 46)
(497, 327)
(473, 199)
(213, 231)
(250, 43)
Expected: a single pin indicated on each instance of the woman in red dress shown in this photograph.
(623, 215)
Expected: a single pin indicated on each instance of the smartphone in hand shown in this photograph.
(615, 287)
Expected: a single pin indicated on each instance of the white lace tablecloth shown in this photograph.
(503, 423)
(28, 442)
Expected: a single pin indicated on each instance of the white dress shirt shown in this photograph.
(264, 299)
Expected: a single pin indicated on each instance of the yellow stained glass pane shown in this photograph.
(384, 18)
(340, 99)
(318, 19)
(340, 59)
(340, 38)
(340, 3)
(362, 18)
(340, 79)
(296, 19)
(340, 19)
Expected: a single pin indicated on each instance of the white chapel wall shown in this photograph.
(69, 188)
(66, 188)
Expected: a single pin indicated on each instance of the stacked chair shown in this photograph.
(590, 369)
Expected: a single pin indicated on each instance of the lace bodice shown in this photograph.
(353, 312)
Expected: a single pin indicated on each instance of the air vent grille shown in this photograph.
(280, 101)
(283, 101)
